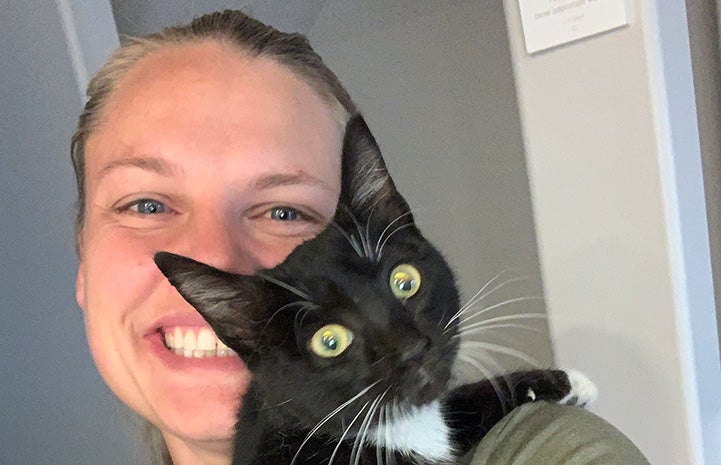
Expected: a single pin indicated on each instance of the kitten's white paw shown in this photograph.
(583, 391)
(530, 395)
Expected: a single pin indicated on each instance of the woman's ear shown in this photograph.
(80, 285)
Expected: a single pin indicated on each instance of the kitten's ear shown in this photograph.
(366, 183)
(228, 302)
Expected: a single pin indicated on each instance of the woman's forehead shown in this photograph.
(210, 98)
(213, 77)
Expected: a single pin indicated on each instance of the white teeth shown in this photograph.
(189, 344)
(178, 340)
(193, 342)
(222, 350)
(206, 340)
(206, 343)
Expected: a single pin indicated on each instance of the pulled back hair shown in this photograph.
(248, 35)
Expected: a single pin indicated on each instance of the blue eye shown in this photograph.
(284, 214)
(147, 207)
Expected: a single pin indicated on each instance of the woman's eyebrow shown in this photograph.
(148, 163)
(284, 179)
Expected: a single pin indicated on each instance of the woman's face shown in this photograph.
(200, 151)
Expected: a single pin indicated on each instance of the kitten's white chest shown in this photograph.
(415, 431)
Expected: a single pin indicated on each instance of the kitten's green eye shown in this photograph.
(330, 341)
(405, 281)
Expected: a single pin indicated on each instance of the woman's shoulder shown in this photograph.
(544, 433)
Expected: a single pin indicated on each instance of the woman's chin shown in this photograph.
(193, 397)
(207, 414)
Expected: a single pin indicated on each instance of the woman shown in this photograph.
(219, 140)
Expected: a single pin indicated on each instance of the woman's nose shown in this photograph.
(215, 241)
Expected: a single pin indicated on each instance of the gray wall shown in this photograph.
(54, 409)
(612, 143)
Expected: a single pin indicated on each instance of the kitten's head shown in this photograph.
(360, 310)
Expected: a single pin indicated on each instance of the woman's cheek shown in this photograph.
(270, 252)
(119, 267)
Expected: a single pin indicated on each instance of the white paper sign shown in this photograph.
(547, 23)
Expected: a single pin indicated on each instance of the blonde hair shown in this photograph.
(232, 27)
(235, 28)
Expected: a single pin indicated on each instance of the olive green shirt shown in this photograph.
(550, 434)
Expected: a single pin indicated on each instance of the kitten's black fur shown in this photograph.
(401, 355)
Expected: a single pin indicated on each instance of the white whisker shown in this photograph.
(285, 286)
(351, 240)
(478, 298)
(503, 350)
(380, 238)
(380, 426)
(500, 304)
(400, 228)
(302, 303)
(487, 375)
(364, 240)
(493, 307)
(463, 332)
(499, 369)
(368, 221)
(473, 299)
(386, 433)
(345, 432)
(500, 319)
(328, 417)
(363, 431)
(370, 420)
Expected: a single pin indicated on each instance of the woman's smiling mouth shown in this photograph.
(194, 342)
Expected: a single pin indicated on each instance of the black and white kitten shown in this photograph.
(350, 340)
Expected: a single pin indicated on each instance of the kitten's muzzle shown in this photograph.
(415, 350)
(423, 385)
